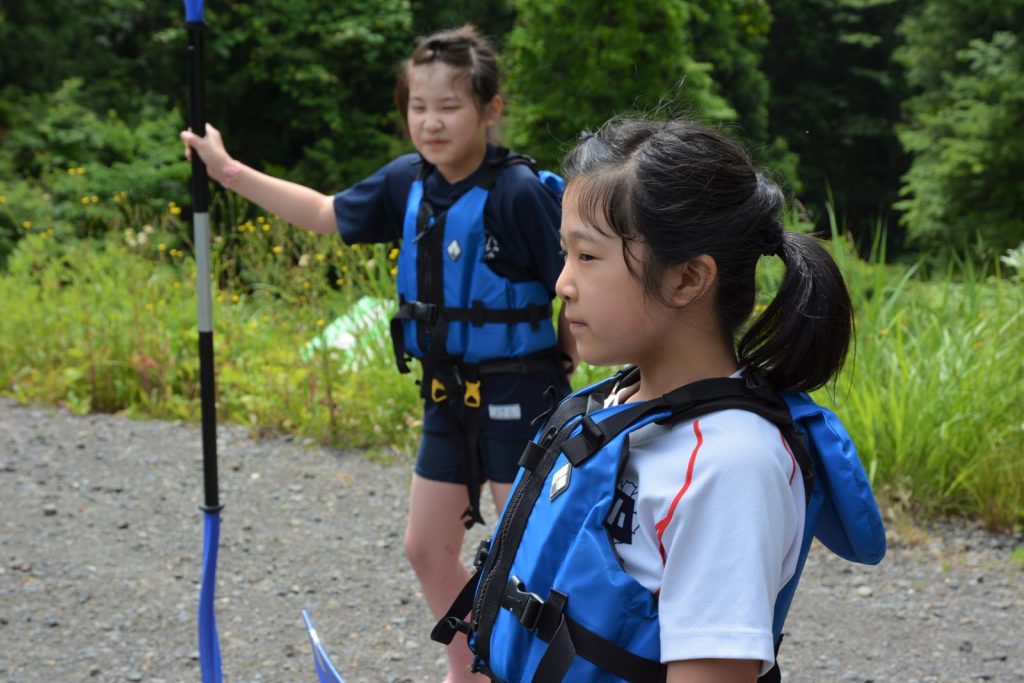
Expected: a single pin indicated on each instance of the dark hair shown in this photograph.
(463, 49)
(677, 190)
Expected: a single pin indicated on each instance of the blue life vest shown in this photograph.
(459, 317)
(551, 600)
(448, 293)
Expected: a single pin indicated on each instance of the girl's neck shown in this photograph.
(700, 357)
(454, 173)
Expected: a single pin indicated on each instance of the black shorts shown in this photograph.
(438, 457)
(511, 401)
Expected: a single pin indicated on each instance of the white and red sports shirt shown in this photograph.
(709, 515)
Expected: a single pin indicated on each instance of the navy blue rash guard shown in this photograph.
(521, 218)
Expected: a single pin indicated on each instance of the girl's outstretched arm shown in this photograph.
(297, 204)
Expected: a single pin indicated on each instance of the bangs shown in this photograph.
(605, 201)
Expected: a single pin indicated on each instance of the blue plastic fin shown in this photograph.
(209, 647)
(325, 670)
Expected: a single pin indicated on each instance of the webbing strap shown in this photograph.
(567, 638)
(451, 623)
(475, 315)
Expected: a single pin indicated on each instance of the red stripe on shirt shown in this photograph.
(663, 524)
(785, 444)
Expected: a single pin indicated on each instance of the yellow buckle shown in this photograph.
(472, 396)
(437, 391)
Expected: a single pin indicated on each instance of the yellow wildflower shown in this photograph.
(320, 322)
(177, 285)
(277, 249)
(161, 246)
(94, 199)
(27, 225)
(393, 254)
(85, 200)
(320, 257)
(884, 331)
(149, 308)
(394, 272)
(175, 210)
(235, 298)
(3, 199)
(261, 219)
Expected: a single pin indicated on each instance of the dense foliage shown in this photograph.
(964, 62)
(610, 57)
(835, 98)
(897, 113)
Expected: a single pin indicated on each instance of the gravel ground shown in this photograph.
(100, 554)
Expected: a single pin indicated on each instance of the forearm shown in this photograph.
(297, 204)
(713, 671)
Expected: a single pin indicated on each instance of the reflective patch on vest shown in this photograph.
(491, 247)
(504, 411)
(620, 518)
(454, 250)
(560, 482)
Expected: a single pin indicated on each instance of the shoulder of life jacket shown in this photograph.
(552, 541)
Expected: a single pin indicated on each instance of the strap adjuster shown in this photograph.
(423, 311)
(525, 605)
(438, 393)
(482, 551)
(472, 396)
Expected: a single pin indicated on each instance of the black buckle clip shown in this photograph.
(423, 312)
(481, 553)
(525, 605)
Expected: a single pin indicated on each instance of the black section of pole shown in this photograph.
(200, 208)
(208, 400)
(197, 113)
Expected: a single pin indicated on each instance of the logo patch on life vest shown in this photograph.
(504, 411)
(560, 482)
(454, 250)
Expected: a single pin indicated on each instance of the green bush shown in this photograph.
(575, 64)
(74, 173)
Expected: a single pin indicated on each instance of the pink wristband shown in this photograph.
(230, 174)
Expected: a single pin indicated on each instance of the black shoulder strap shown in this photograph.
(503, 158)
(748, 393)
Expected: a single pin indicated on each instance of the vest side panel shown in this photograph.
(406, 277)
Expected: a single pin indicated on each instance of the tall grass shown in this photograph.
(110, 325)
(932, 393)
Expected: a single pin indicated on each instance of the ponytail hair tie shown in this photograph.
(772, 238)
(440, 44)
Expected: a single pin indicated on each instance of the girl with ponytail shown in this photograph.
(663, 225)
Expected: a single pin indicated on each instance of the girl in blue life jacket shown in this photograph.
(663, 225)
(476, 275)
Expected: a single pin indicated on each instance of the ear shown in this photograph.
(689, 281)
(492, 112)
